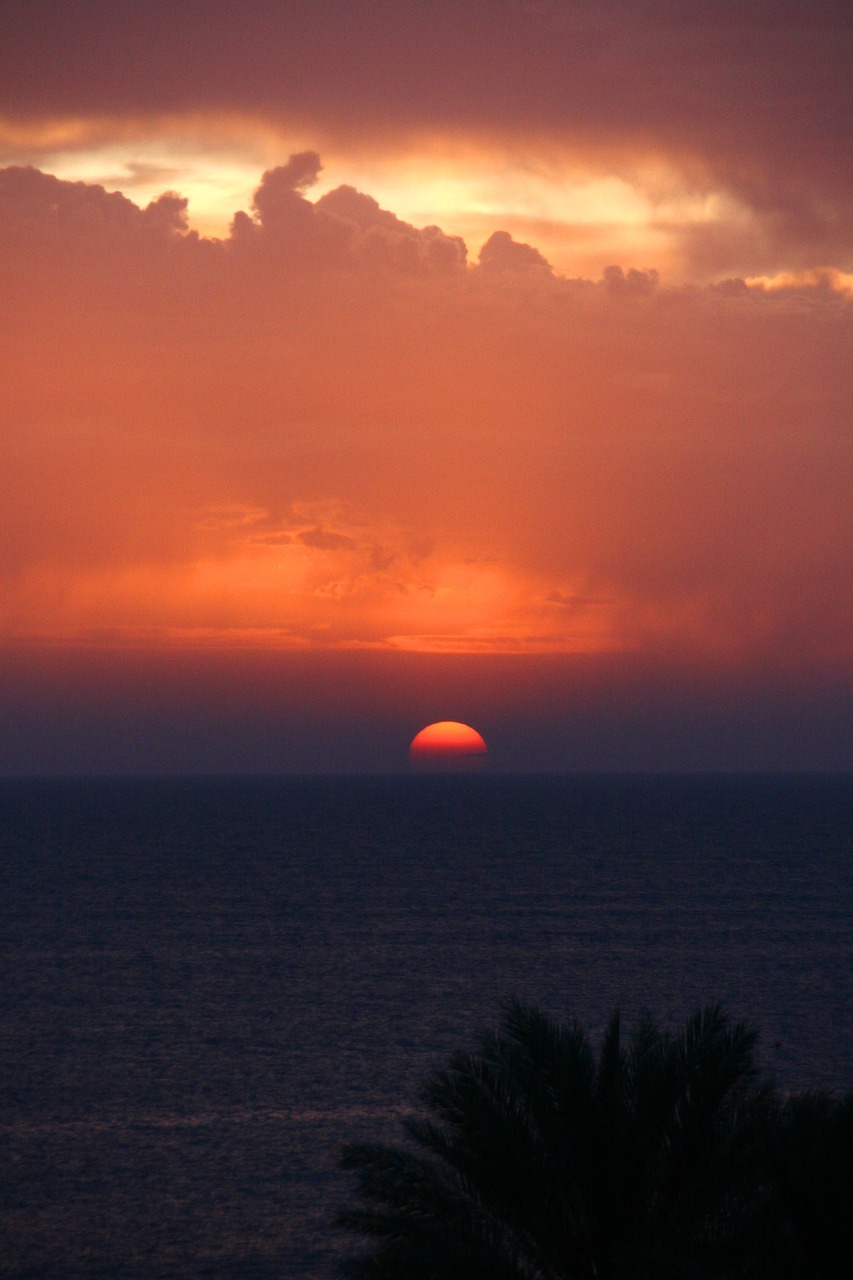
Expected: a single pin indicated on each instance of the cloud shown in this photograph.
(278, 203)
(328, 426)
(754, 101)
(502, 253)
(633, 282)
(379, 235)
(324, 540)
(40, 205)
(342, 227)
(702, 143)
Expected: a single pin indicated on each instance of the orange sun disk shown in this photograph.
(446, 740)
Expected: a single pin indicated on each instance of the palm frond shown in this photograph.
(535, 1162)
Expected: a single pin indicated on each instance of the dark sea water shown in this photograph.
(210, 985)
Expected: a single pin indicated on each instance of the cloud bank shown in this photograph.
(729, 126)
(335, 429)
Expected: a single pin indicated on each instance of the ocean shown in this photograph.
(210, 985)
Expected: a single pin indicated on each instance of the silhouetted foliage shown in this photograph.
(540, 1161)
(811, 1176)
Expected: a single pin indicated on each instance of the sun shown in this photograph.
(448, 744)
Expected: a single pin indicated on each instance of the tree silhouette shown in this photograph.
(811, 1176)
(540, 1162)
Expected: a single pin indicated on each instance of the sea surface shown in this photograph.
(210, 985)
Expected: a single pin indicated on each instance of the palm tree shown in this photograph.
(811, 1176)
(539, 1162)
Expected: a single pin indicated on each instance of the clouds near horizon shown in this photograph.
(336, 428)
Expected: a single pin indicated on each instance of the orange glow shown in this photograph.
(446, 740)
(361, 343)
(827, 278)
(335, 429)
(582, 207)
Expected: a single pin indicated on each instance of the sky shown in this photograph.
(366, 365)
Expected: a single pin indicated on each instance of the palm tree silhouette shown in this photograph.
(539, 1162)
(811, 1176)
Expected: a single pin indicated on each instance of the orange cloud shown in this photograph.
(334, 428)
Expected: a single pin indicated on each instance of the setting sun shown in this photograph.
(447, 742)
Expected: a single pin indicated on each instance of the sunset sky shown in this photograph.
(367, 365)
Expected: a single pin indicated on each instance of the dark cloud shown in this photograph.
(279, 197)
(31, 201)
(381, 236)
(631, 282)
(324, 540)
(749, 102)
(343, 226)
(502, 253)
(749, 96)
